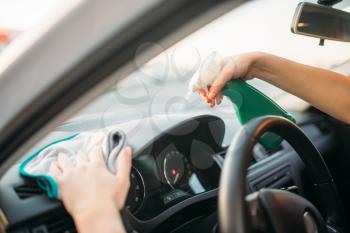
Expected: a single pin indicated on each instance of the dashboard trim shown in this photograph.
(19, 212)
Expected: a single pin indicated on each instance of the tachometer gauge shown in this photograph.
(174, 167)
(136, 192)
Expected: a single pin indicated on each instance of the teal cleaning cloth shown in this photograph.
(37, 165)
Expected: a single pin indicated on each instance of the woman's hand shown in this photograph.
(240, 66)
(91, 193)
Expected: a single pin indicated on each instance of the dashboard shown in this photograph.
(176, 167)
(174, 179)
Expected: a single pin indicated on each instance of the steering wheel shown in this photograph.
(273, 210)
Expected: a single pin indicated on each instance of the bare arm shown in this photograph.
(326, 90)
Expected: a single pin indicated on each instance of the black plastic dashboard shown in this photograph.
(180, 163)
(174, 175)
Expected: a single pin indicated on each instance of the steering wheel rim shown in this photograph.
(233, 209)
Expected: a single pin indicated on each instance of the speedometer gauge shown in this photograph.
(175, 166)
(136, 192)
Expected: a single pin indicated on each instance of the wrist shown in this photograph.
(258, 66)
(92, 220)
(89, 213)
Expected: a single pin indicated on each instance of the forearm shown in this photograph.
(327, 90)
(106, 221)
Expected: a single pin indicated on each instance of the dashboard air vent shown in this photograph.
(55, 223)
(28, 190)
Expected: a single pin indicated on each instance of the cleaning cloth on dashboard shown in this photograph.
(37, 165)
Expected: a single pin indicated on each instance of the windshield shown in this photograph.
(160, 86)
(154, 96)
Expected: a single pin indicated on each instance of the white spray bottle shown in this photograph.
(206, 73)
(249, 102)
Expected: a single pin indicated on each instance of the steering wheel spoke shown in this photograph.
(256, 219)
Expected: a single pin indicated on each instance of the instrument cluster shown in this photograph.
(163, 180)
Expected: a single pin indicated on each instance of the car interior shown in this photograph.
(182, 148)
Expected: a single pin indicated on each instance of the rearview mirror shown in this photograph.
(321, 22)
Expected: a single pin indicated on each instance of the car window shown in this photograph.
(159, 87)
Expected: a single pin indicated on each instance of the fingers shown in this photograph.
(224, 76)
(214, 95)
(123, 165)
(218, 99)
(63, 162)
(212, 103)
(123, 168)
(54, 170)
(96, 155)
(203, 95)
